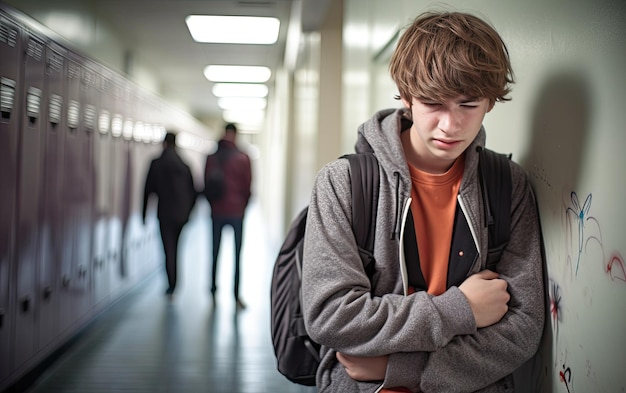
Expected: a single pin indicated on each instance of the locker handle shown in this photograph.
(47, 292)
(82, 272)
(66, 281)
(25, 303)
(1, 317)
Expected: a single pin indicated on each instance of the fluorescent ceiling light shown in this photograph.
(245, 74)
(233, 29)
(254, 117)
(243, 103)
(239, 90)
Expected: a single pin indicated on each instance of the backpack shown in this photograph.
(214, 180)
(296, 353)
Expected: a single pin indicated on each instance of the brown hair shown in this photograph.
(443, 55)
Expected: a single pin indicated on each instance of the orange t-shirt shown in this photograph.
(433, 208)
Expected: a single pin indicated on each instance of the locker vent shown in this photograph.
(90, 118)
(127, 132)
(7, 96)
(89, 78)
(55, 62)
(103, 122)
(138, 132)
(116, 125)
(8, 35)
(33, 103)
(55, 108)
(35, 50)
(73, 114)
(73, 70)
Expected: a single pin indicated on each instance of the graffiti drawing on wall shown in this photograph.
(581, 214)
(615, 267)
(566, 377)
(588, 237)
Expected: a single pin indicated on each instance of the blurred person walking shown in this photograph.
(229, 172)
(170, 179)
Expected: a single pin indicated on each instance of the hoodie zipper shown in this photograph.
(398, 224)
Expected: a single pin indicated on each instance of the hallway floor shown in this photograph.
(147, 343)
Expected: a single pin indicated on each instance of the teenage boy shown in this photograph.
(457, 327)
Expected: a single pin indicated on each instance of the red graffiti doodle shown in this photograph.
(615, 267)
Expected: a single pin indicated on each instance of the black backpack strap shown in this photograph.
(365, 181)
(496, 187)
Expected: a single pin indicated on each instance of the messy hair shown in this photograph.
(443, 55)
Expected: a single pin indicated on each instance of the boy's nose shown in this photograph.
(450, 122)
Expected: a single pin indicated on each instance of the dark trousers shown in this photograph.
(170, 233)
(218, 225)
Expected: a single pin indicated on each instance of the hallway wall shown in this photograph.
(565, 125)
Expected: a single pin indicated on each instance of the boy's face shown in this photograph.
(442, 131)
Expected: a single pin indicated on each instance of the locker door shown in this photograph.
(51, 228)
(11, 55)
(89, 98)
(30, 176)
(115, 228)
(125, 176)
(102, 209)
(69, 276)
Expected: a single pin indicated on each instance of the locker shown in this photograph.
(85, 174)
(71, 277)
(51, 228)
(102, 203)
(115, 227)
(124, 175)
(29, 198)
(10, 75)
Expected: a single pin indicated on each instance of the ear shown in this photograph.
(491, 105)
(406, 103)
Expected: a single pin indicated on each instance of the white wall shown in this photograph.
(566, 126)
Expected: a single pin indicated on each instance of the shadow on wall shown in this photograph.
(560, 130)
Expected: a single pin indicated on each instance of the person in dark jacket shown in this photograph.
(230, 208)
(170, 179)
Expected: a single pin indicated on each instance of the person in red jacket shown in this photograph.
(229, 209)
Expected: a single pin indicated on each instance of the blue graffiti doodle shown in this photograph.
(581, 216)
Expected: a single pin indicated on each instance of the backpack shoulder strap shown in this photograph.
(365, 181)
(496, 188)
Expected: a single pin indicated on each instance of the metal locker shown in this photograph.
(69, 276)
(115, 227)
(52, 222)
(29, 197)
(102, 209)
(124, 175)
(11, 55)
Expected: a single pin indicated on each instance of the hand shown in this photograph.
(488, 297)
(364, 368)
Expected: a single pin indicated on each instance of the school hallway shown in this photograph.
(147, 343)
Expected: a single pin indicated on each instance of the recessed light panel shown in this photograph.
(242, 74)
(239, 90)
(233, 29)
(242, 103)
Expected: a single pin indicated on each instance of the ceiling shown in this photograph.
(156, 33)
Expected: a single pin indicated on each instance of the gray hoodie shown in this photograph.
(433, 342)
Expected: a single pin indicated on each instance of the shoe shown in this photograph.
(169, 291)
(240, 305)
